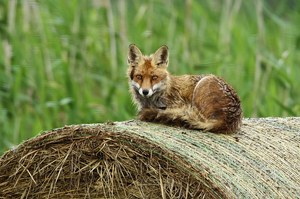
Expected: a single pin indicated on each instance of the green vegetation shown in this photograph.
(64, 61)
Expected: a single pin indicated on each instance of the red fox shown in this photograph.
(203, 102)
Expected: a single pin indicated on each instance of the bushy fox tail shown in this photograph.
(188, 117)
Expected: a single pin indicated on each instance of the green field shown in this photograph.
(64, 61)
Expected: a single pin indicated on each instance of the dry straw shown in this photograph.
(133, 159)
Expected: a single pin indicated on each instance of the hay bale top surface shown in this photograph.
(134, 159)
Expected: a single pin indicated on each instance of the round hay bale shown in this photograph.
(134, 159)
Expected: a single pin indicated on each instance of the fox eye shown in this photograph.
(154, 77)
(139, 77)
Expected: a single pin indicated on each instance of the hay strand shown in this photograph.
(133, 159)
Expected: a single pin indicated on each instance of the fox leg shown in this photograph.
(148, 114)
(217, 102)
(186, 116)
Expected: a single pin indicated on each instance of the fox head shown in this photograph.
(148, 74)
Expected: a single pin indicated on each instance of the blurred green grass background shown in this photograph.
(64, 61)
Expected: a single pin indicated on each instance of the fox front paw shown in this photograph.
(148, 114)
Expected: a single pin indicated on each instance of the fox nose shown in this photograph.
(145, 92)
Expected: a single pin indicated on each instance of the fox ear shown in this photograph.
(161, 56)
(134, 55)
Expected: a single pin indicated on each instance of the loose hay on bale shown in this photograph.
(134, 159)
(92, 162)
